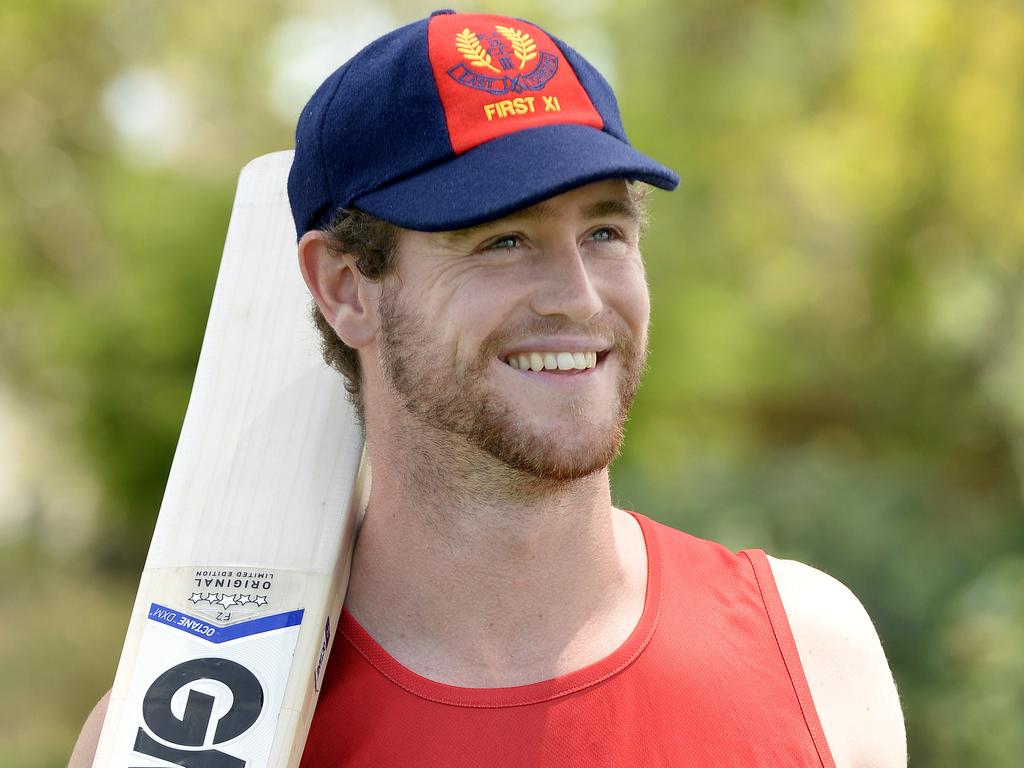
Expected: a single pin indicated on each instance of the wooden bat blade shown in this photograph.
(246, 573)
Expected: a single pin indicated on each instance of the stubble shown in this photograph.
(456, 397)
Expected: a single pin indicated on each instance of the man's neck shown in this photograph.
(470, 574)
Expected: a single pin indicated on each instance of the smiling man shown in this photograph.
(469, 213)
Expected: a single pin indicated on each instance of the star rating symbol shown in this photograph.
(226, 601)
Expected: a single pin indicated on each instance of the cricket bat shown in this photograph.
(239, 600)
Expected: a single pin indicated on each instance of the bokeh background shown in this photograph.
(837, 370)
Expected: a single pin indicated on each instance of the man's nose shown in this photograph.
(565, 286)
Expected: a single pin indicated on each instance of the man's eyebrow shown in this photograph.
(543, 211)
(626, 208)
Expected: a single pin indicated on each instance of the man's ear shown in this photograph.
(346, 298)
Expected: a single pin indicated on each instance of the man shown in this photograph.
(469, 213)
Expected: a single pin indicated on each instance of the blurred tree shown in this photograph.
(837, 340)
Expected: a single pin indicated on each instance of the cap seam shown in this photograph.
(561, 46)
(437, 90)
(421, 168)
(331, 204)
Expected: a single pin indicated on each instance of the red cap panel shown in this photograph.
(498, 75)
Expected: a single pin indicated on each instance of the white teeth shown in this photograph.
(560, 361)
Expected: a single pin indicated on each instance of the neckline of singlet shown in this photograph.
(531, 693)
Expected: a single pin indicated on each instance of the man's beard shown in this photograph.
(456, 398)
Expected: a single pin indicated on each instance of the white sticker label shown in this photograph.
(207, 696)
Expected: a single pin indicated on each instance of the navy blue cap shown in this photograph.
(455, 120)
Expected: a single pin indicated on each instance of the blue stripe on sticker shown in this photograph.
(207, 631)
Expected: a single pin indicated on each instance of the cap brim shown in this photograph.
(508, 174)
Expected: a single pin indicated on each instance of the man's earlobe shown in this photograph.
(345, 297)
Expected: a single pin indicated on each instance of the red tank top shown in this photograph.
(709, 677)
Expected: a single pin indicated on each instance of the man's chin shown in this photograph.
(547, 461)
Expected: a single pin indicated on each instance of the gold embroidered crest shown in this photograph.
(469, 46)
(522, 44)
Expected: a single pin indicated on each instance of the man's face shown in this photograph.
(526, 336)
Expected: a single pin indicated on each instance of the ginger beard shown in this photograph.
(457, 397)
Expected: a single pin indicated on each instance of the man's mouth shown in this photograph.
(555, 361)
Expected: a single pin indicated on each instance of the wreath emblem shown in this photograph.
(514, 49)
(469, 46)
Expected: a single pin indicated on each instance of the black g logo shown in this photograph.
(192, 728)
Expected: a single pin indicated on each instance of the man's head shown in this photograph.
(449, 129)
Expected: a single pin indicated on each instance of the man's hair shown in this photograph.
(374, 244)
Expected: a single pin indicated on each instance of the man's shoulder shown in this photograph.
(845, 665)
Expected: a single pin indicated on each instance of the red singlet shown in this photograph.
(709, 677)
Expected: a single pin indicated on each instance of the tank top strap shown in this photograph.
(787, 647)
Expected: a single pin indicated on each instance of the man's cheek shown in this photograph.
(634, 307)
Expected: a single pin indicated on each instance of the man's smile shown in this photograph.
(555, 361)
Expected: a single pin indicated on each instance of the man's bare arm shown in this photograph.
(849, 677)
(85, 747)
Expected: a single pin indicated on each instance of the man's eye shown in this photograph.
(503, 243)
(604, 234)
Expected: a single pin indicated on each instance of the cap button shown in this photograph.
(442, 12)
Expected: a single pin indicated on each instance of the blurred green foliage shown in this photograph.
(837, 369)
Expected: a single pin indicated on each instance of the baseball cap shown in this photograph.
(455, 120)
